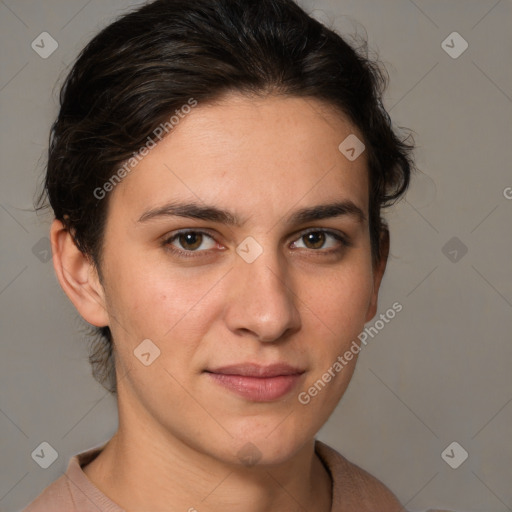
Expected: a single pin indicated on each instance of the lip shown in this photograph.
(258, 383)
(256, 370)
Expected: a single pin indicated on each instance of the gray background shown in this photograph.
(439, 372)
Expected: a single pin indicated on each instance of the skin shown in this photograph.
(301, 302)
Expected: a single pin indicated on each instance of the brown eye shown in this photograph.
(321, 241)
(314, 240)
(190, 241)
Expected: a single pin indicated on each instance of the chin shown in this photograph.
(266, 447)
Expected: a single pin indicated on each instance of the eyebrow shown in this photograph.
(214, 214)
(191, 211)
(326, 211)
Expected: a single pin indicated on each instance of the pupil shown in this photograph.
(191, 240)
(315, 240)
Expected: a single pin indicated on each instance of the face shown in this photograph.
(240, 247)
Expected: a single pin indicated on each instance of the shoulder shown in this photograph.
(355, 488)
(370, 491)
(57, 496)
(73, 491)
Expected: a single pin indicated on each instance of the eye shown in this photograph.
(191, 241)
(320, 239)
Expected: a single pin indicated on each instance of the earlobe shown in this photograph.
(378, 272)
(78, 276)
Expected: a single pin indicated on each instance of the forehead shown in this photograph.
(263, 154)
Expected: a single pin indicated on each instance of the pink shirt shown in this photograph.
(74, 492)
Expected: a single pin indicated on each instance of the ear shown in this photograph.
(378, 272)
(78, 276)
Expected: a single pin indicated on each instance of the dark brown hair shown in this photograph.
(143, 67)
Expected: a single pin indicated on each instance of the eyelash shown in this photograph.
(194, 254)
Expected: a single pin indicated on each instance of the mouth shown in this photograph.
(258, 383)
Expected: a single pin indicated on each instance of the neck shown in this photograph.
(143, 469)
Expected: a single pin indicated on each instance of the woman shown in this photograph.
(217, 172)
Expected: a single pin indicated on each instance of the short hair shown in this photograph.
(138, 70)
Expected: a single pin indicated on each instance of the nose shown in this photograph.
(262, 303)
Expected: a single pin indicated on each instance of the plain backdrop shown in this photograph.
(438, 373)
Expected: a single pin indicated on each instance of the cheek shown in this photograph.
(341, 301)
(336, 316)
(153, 300)
(176, 317)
